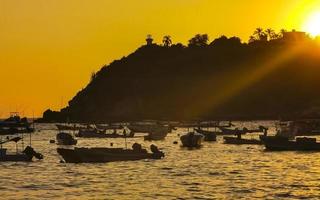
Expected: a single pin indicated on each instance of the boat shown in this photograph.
(148, 128)
(236, 131)
(65, 139)
(70, 127)
(96, 133)
(101, 155)
(239, 141)
(14, 124)
(156, 135)
(302, 127)
(192, 139)
(277, 143)
(108, 126)
(208, 135)
(25, 156)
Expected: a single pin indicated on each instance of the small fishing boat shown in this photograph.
(276, 143)
(14, 124)
(65, 139)
(192, 139)
(156, 135)
(25, 156)
(101, 155)
(108, 126)
(69, 127)
(96, 133)
(208, 135)
(237, 140)
(148, 128)
(236, 131)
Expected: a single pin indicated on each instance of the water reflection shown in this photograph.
(216, 171)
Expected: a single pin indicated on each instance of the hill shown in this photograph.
(226, 79)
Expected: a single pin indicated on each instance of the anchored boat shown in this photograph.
(65, 139)
(100, 155)
(192, 139)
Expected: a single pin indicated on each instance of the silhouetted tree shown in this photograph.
(271, 34)
(260, 35)
(166, 40)
(225, 41)
(149, 39)
(199, 40)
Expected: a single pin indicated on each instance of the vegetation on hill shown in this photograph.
(274, 75)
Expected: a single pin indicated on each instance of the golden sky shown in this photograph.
(48, 48)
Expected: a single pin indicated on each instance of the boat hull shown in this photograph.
(192, 140)
(102, 155)
(288, 145)
(234, 140)
(15, 158)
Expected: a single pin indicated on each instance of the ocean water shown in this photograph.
(215, 171)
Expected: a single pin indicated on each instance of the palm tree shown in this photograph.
(270, 33)
(166, 40)
(259, 34)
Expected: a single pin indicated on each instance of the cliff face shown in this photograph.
(222, 80)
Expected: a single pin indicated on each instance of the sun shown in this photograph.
(312, 25)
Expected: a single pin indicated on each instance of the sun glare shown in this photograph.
(312, 25)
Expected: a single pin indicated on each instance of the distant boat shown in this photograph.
(147, 128)
(302, 127)
(25, 156)
(236, 131)
(65, 139)
(14, 124)
(237, 140)
(108, 126)
(100, 155)
(192, 139)
(208, 135)
(277, 143)
(156, 135)
(69, 127)
(95, 133)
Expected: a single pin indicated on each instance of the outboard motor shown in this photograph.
(136, 147)
(154, 149)
(29, 151)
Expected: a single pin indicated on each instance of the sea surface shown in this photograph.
(215, 171)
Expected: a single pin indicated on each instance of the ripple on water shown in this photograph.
(215, 171)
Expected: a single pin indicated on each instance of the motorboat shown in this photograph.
(192, 139)
(64, 138)
(101, 155)
(157, 134)
(237, 140)
(14, 124)
(277, 143)
(25, 156)
(236, 131)
(148, 128)
(96, 133)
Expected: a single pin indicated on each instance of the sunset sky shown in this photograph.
(49, 48)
